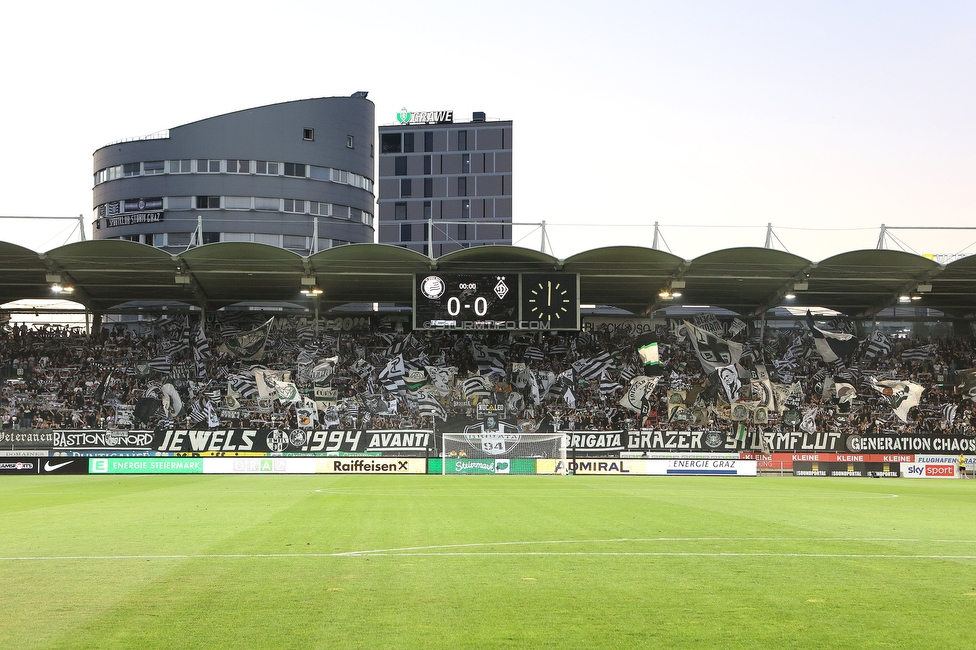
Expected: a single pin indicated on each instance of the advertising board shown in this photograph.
(145, 465)
(929, 470)
(650, 466)
(18, 465)
(371, 466)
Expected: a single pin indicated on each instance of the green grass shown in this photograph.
(574, 562)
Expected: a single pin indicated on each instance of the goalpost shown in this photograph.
(503, 453)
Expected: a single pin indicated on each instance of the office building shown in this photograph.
(445, 185)
(297, 175)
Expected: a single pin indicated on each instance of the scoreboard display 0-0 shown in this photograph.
(496, 301)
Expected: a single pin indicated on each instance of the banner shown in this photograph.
(11, 439)
(597, 441)
(276, 441)
(419, 442)
(103, 439)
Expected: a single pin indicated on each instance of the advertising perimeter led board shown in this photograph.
(495, 301)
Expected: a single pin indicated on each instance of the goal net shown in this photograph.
(503, 453)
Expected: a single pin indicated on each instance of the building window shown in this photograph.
(294, 242)
(267, 203)
(462, 231)
(154, 167)
(427, 210)
(400, 166)
(179, 167)
(428, 140)
(295, 169)
(237, 203)
(462, 186)
(130, 169)
(205, 166)
(179, 202)
(368, 219)
(390, 143)
(108, 174)
(465, 163)
(159, 239)
(408, 143)
(428, 187)
(265, 167)
(208, 203)
(466, 209)
(400, 212)
(179, 239)
(462, 140)
(211, 237)
(308, 134)
(295, 205)
(349, 142)
(405, 234)
(238, 166)
(427, 164)
(406, 187)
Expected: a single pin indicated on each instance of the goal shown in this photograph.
(503, 453)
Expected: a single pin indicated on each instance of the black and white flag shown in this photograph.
(249, 345)
(949, 413)
(161, 365)
(967, 383)
(712, 351)
(591, 368)
(637, 396)
(878, 346)
(429, 406)
(921, 353)
(728, 379)
(323, 371)
(476, 386)
(900, 395)
(441, 377)
(831, 345)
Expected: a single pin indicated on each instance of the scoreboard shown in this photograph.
(496, 301)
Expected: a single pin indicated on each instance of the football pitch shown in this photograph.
(485, 562)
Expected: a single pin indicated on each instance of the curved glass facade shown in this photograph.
(297, 175)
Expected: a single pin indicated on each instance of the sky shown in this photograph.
(714, 119)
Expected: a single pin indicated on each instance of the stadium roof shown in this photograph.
(107, 274)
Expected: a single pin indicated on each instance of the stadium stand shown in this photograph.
(239, 370)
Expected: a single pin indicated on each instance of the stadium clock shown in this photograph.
(550, 300)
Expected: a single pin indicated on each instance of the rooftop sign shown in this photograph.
(425, 117)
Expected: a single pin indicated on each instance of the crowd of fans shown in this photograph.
(235, 371)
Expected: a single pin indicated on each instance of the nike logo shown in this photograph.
(48, 467)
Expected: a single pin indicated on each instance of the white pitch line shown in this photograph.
(445, 550)
(665, 539)
(251, 556)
